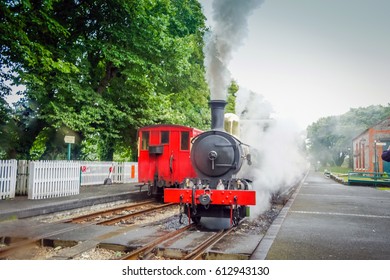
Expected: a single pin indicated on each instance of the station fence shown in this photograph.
(369, 178)
(22, 177)
(47, 179)
(95, 173)
(7, 178)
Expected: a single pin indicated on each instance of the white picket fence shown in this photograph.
(95, 173)
(129, 172)
(7, 178)
(22, 178)
(47, 179)
(53, 179)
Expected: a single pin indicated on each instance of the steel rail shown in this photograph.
(8, 250)
(117, 219)
(107, 211)
(135, 254)
(196, 254)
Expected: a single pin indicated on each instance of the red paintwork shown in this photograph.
(149, 164)
(218, 197)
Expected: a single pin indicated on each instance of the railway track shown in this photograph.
(146, 252)
(86, 220)
(106, 212)
(121, 217)
(196, 253)
(143, 251)
(118, 214)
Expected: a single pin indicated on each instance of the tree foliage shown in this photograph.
(331, 137)
(99, 70)
(231, 97)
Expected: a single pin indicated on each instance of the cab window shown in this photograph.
(185, 140)
(164, 137)
(145, 140)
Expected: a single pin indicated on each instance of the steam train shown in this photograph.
(197, 169)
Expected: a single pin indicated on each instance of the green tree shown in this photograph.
(4, 128)
(231, 97)
(331, 137)
(102, 69)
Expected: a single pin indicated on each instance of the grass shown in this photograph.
(342, 173)
(9, 218)
(383, 188)
(336, 169)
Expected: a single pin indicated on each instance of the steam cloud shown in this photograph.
(277, 161)
(229, 32)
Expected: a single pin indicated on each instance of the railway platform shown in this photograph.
(22, 207)
(326, 220)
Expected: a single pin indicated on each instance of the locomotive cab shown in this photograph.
(164, 156)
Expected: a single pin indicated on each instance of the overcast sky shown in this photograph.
(315, 58)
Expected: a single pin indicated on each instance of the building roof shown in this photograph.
(379, 124)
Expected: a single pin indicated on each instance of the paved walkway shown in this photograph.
(327, 220)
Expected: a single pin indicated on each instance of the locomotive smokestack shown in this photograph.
(217, 114)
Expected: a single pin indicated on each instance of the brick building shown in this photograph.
(368, 147)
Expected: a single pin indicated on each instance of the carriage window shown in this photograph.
(145, 140)
(185, 140)
(164, 137)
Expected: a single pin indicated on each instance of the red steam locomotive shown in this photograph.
(197, 169)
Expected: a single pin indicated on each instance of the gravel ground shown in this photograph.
(55, 217)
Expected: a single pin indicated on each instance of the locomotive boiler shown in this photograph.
(217, 157)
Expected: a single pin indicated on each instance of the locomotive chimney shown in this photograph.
(217, 114)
